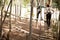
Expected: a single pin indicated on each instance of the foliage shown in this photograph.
(26, 2)
(1, 2)
(6, 1)
(57, 3)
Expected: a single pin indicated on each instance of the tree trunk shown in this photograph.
(59, 26)
(59, 32)
(10, 16)
(6, 13)
(9, 21)
(30, 29)
(1, 20)
(20, 11)
(15, 14)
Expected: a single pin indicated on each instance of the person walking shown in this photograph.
(48, 17)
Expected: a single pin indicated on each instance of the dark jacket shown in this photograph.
(48, 15)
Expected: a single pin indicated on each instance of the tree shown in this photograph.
(20, 10)
(57, 5)
(9, 20)
(2, 5)
(2, 21)
(30, 26)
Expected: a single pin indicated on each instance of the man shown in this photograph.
(39, 11)
(48, 17)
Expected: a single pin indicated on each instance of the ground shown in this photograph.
(20, 30)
